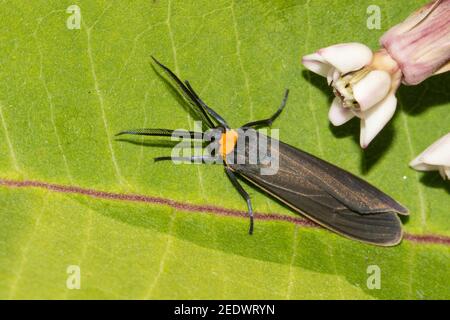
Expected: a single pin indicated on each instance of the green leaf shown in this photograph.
(65, 93)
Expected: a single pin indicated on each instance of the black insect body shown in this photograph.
(326, 194)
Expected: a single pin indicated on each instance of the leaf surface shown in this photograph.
(65, 93)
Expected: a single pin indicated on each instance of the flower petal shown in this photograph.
(438, 154)
(443, 69)
(410, 22)
(330, 75)
(315, 63)
(376, 118)
(347, 57)
(338, 114)
(445, 173)
(333, 75)
(372, 89)
(417, 164)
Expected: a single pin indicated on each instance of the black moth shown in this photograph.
(326, 194)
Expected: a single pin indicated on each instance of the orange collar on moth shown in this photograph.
(228, 142)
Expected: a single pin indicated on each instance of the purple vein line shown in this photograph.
(423, 238)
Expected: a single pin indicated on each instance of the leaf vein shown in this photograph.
(8, 140)
(163, 258)
(102, 105)
(241, 63)
(310, 104)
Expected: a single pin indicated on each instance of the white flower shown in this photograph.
(435, 157)
(363, 82)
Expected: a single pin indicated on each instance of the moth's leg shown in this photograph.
(244, 195)
(201, 159)
(268, 121)
(210, 111)
(162, 133)
(186, 93)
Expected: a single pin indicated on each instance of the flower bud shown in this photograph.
(421, 44)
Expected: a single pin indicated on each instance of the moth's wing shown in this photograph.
(355, 193)
(299, 188)
(190, 97)
(379, 228)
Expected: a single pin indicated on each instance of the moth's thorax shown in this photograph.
(227, 142)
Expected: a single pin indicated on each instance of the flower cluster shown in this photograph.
(365, 83)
